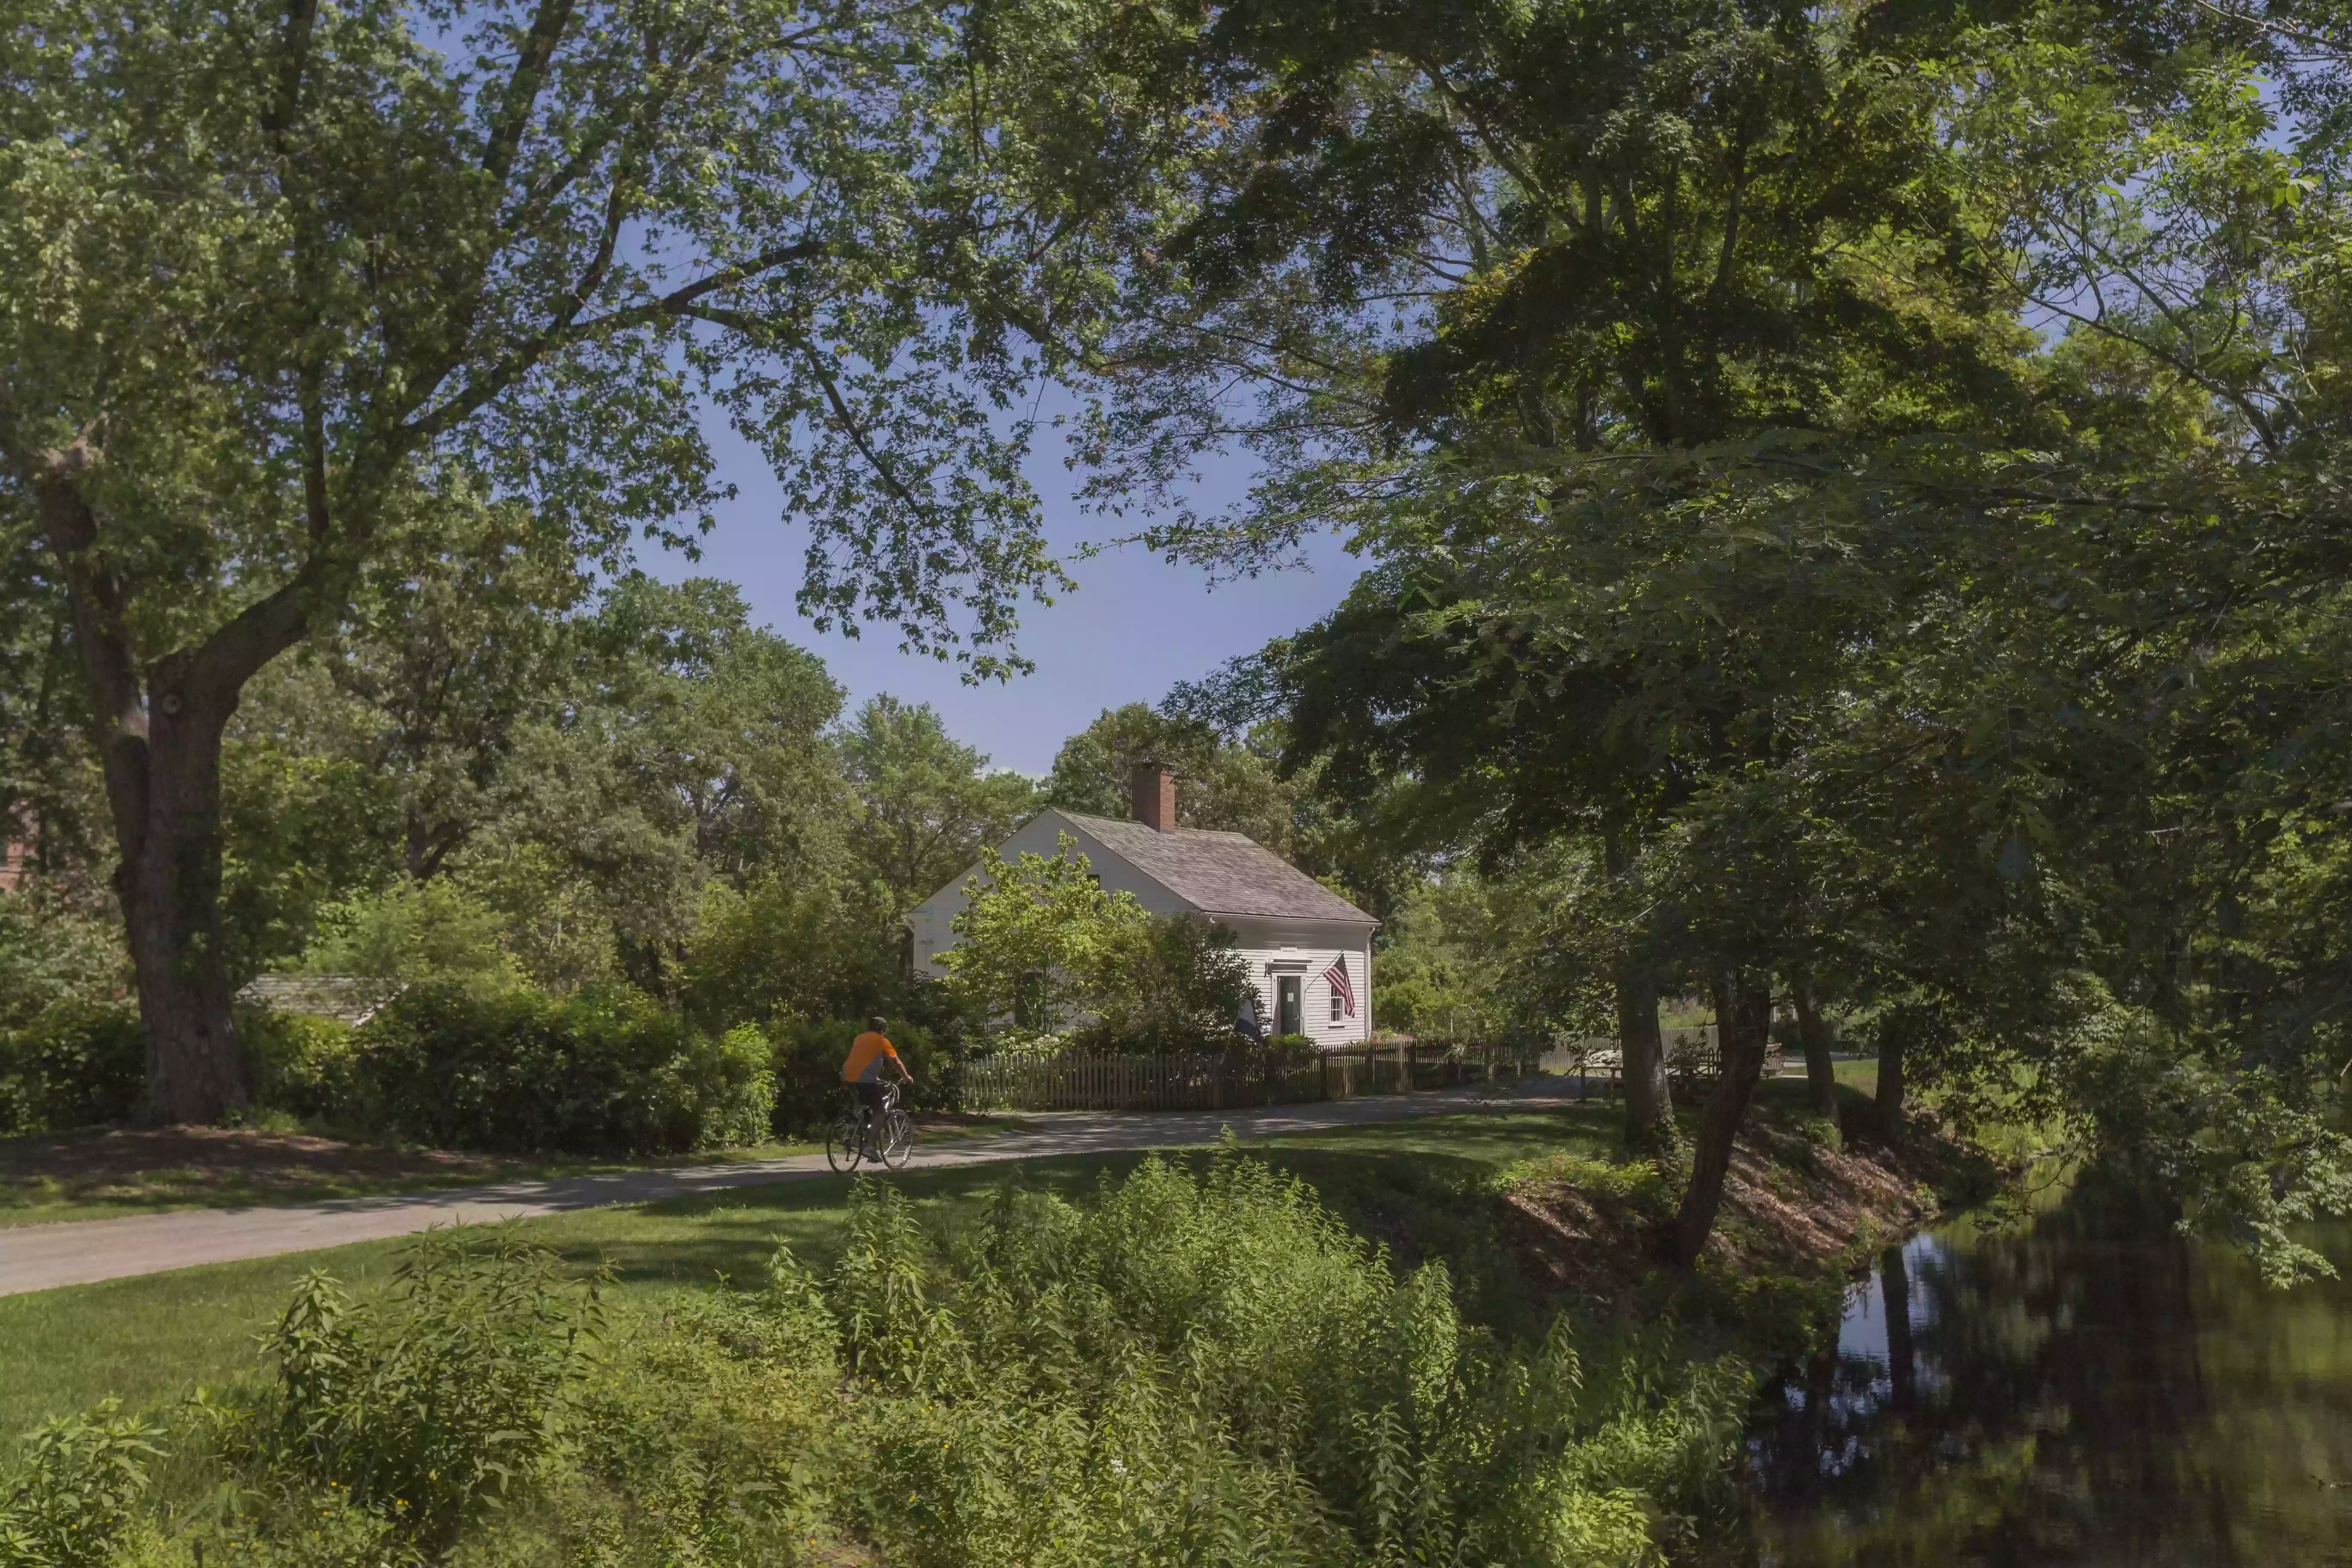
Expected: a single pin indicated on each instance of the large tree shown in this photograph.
(1673, 360)
(277, 279)
(927, 803)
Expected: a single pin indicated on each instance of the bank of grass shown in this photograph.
(1049, 1362)
(152, 1339)
(1427, 1189)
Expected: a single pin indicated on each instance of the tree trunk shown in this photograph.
(1642, 1054)
(168, 881)
(1649, 1099)
(1891, 1046)
(1743, 1017)
(158, 732)
(1820, 1073)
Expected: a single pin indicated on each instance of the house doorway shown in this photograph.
(1289, 1015)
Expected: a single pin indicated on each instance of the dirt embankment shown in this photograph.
(1797, 1218)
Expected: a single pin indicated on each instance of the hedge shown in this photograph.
(515, 1071)
(79, 1064)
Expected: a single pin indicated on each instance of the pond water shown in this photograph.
(2056, 1394)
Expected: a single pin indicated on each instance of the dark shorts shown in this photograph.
(872, 1094)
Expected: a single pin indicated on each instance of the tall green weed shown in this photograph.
(433, 1405)
(71, 1504)
(1190, 1366)
(1212, 1368)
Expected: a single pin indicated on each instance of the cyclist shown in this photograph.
(862, 1073)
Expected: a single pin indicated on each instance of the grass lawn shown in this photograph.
(149, 1340)
(105, 1174)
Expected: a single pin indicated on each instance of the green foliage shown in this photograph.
(50, 952)
(786, 947)
(304, 1066)
(411, 931)
(1219, 785)
(80, 1478)
(79, 1064)
(1168, 983)
(603, 1073)
(1037, 938)
(1191, 1365)
(1215, 1362)
(1289, 1051)
(928, 804)
(441, 277)
(433, 1403)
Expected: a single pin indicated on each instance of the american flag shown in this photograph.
(1338, 976)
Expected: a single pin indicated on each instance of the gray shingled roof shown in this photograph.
(1220, 873)
(344, 998)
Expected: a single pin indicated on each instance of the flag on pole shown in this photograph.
(1338, 976)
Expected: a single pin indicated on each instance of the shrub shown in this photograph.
(81, 1476)
(428, 1407)
(808, 1057)
(1215, 1359)
(1293, 1051)
(599, 1073)
(53, 952)
(305, 1065)
(411, 932)
(79, 1064)
(1168, 983)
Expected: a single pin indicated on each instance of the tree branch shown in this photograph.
(561, 331)
(523, 87)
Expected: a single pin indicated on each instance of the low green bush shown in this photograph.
(1289, 1051)
(1194, 1366)
(429, 1407)
(807, 1063)
(73, 1501)
(78, 1064)
(598, 1073)
(307, 1067)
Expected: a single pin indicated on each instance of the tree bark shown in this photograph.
(158, 731)
(1649, 1099)
(1891, 1047)
(168, 881)
(1820, 1072)
(1743, 1015)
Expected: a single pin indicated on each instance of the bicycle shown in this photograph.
(849, 1140)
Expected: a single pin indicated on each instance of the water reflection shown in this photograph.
(2056, 1396)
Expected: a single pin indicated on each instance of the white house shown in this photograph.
(1298, 937)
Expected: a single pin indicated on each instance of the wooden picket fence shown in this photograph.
(1079, 1080)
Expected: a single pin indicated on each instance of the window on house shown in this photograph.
(1335, 1004)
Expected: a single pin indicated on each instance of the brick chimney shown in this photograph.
(1153, 790)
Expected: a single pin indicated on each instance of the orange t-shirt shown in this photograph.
(865, 1054)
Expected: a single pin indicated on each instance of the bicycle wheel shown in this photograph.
(898, 1138)
(842, 1146)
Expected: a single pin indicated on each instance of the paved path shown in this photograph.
(43, 1256)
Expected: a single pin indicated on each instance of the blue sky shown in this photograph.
(1135, 626)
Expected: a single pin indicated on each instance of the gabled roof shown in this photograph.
(1220, 873)
(343, 997)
